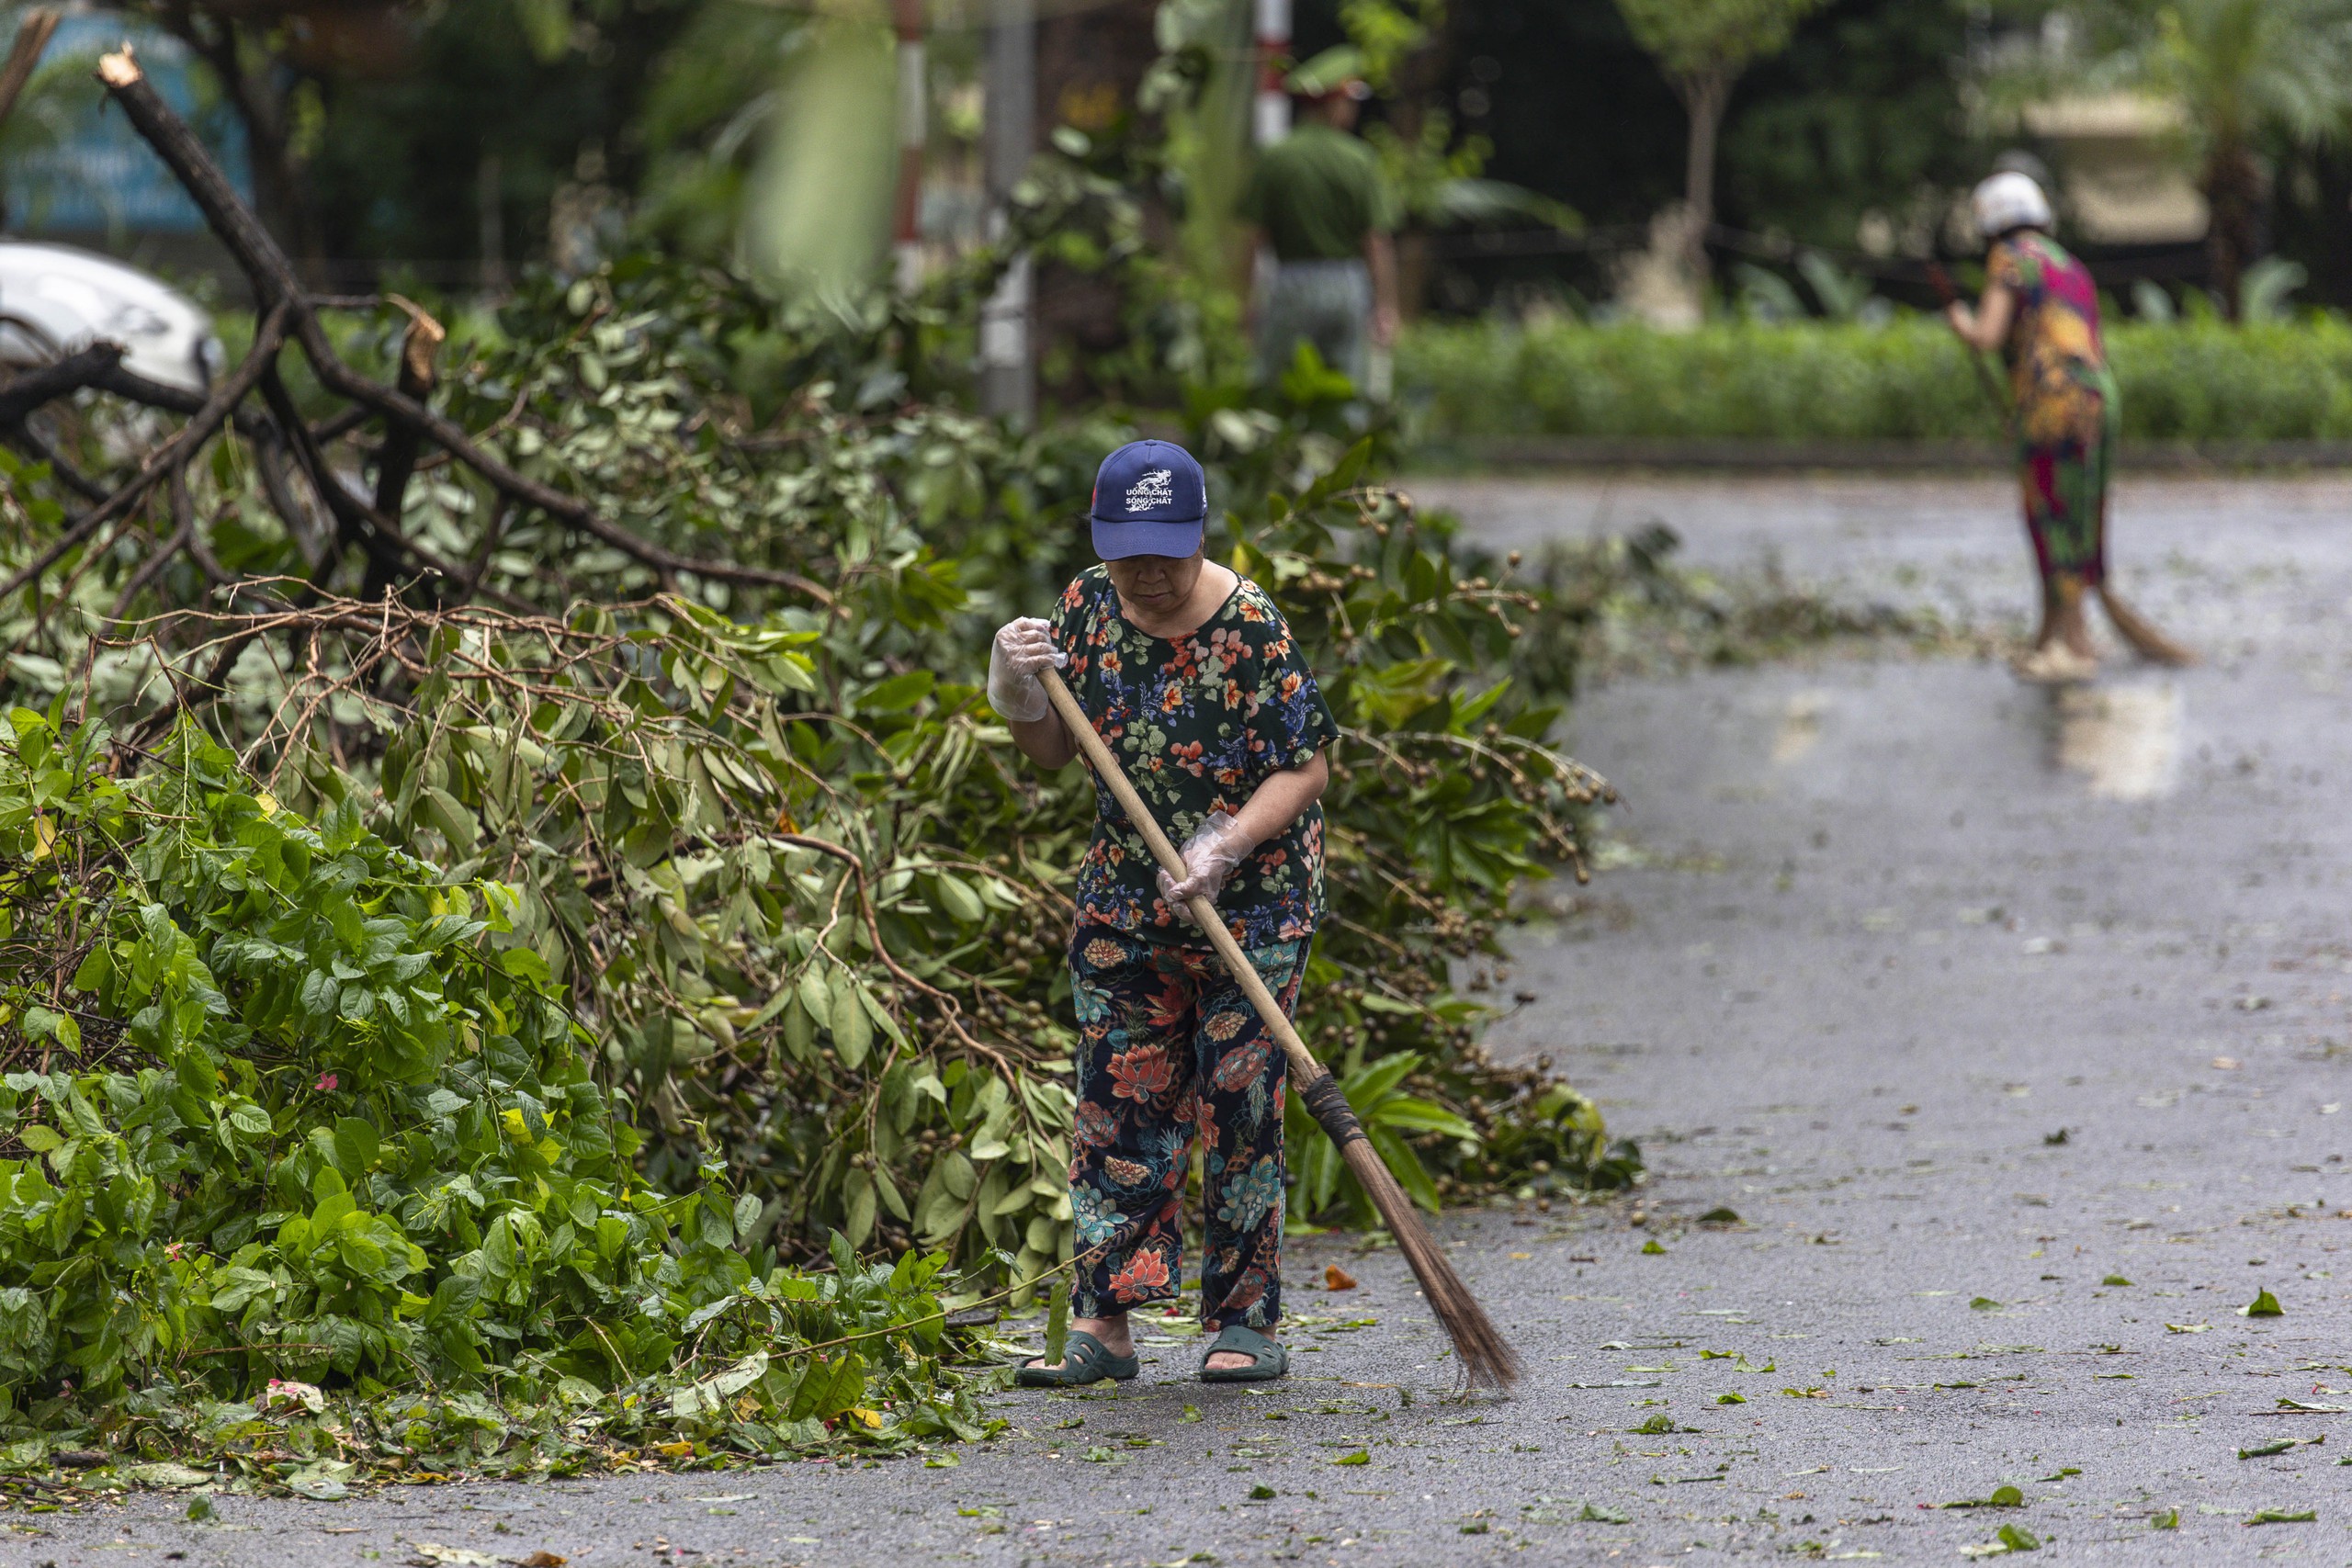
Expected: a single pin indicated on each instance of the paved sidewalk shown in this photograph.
(1964, 997)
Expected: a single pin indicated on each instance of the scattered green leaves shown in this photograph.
(1058, 1322)
(2280, 1446)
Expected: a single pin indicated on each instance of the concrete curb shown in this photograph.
(1613, 452)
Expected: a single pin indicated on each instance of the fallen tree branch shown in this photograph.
(29, 389)
(255, 252)
(269, 335)
(97, 367)
(447, 433)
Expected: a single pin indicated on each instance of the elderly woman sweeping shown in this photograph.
(1188, 672)
(2041, 309)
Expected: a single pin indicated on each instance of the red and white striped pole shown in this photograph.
(1270, 122)
(914, 95)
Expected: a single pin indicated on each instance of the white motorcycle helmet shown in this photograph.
(2008, 200)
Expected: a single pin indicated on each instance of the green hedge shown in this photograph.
(1906, 381)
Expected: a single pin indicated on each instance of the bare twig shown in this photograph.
(29, 442)
(183, 531)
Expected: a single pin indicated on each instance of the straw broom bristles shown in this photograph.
(1485, 1356)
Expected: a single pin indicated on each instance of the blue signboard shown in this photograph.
(99, 176)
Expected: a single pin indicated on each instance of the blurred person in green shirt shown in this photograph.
(1320, 204)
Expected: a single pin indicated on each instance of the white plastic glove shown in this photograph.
(1022, 648)
(1210, 856)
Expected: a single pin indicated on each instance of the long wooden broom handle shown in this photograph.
(1486, 1355)
(1305, 1068)
(1947, 295)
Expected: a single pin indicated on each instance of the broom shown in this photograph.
(1484, 1355)
(2135, 628)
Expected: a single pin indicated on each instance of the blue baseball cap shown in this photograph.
(1150, 499)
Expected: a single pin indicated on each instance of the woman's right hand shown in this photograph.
(1022, 647)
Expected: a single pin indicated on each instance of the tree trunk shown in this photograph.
(1090, 62)
(2233, 184)
(279, 196)
(1420, 87)
(1704, 94)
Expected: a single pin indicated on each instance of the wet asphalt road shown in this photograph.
(1875, 933)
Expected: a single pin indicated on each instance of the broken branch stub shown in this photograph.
(263, 261)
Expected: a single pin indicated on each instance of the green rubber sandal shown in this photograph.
(1273, 1362)
(1085, 1360)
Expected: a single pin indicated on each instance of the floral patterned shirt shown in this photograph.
(1197, 723)
(2057, 364)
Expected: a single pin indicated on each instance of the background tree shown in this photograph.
(394, 131)
(1860, 115)
(1703, 46)
(2249, 76)
(447, 165)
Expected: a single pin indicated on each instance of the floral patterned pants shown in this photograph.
(1170, 1051)
(2063, 461)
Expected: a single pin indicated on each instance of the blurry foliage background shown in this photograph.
(488, 109)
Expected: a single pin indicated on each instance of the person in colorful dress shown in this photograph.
(1192, 680)
(2041, 309)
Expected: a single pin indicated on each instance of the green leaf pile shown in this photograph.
(510, 1010)
(307, 1113)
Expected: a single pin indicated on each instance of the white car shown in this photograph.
(54, 300)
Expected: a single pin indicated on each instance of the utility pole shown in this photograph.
(914, 102)
(1009, 138)
(1270, 122)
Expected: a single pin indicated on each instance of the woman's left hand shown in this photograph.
(1210, 857)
